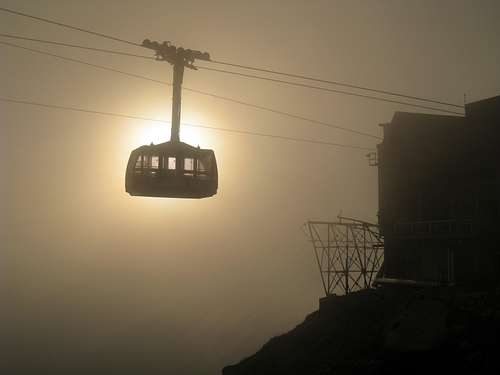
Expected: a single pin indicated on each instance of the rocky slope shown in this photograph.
(389, 330)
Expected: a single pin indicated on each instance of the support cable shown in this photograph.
(298, 84)
(61, 44)
(300, 76)
(255, 106)
(244, 132)
(338, 83)
(46, 20)
(291, 83)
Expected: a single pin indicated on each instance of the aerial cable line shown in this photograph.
(76, 46)
(255, 106)
(252, 68)
(245, 132)
(329, 90)
(78, 61)
(70, 27)
(291, 115)
(338, 83)
(292, 83)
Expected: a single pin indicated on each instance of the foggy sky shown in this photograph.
(92, 278)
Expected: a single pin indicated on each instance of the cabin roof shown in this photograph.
(171, 146)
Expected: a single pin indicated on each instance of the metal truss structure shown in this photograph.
(349, 253)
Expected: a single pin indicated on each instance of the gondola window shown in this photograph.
(138, 163)
(171, 163)
(155, 162)
(203, 166)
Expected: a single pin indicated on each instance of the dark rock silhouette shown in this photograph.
(387, 331)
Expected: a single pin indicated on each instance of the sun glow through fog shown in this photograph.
(148, 132)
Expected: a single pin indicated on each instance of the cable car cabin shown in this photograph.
(171, 170)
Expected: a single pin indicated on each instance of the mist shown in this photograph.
(93, 279)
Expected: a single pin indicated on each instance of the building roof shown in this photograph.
(484, 109)
(444, 136)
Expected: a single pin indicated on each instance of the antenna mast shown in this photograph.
(179, 58)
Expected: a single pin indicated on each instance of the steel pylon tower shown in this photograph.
(349, 253)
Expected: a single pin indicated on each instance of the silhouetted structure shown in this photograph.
(173, 169)
(349, 253)
(439, 196)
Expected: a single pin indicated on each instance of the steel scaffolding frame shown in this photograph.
(349, 253)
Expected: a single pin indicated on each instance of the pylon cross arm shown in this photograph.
(166, 51)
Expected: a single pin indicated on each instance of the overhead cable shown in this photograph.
(69, 26)
(83, 62)
(329, 90)
(61, 44)
(292, 83)
(359, 87)
(255, 106)
(245, 132)
(338, 83)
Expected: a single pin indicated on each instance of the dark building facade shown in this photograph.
(439, 192)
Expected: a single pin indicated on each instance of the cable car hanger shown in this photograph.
(173, 169)
(179, 58)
